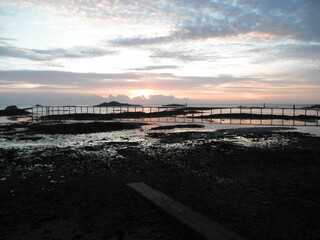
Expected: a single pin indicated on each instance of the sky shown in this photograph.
(201, 51)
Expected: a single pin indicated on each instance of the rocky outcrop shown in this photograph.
(13, 110)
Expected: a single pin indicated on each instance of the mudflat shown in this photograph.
(262, 183)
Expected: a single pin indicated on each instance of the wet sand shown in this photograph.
(262, 183)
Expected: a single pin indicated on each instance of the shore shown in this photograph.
(262, 183)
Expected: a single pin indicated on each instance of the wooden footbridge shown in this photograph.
(231, 115)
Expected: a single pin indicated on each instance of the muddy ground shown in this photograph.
(262, 183)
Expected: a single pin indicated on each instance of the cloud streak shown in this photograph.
(156, 67)
(52, 54)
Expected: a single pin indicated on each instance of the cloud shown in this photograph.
(48, 98)
(4, 41)
(52, 54)
(165, 35)
(151, 100)
(136, 41)
(217, 87)
(160, 81)
(194, 19)
(305, 54)
(181, 55)
(124, 10)
(61, 78)
(7, 39)
(156, 67)
(282, 19)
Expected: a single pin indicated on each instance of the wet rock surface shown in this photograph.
(60, 127)
(81, 128)
(64, 194)
(263, 183)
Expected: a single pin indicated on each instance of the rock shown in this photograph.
(11, 108)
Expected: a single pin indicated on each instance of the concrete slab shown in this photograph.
(197, 222)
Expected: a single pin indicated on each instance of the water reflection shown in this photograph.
(266, 122)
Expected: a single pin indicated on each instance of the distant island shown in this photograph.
(115, 104)
(12, 111)
(315, 106)
(174, 105)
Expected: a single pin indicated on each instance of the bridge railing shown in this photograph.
(230, 115)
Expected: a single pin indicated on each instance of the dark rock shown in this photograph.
(82, 128)
(11, 108)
